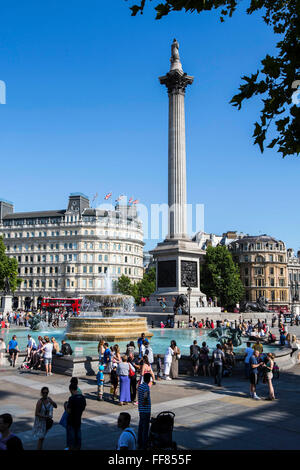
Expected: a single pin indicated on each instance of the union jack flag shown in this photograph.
(108, 196)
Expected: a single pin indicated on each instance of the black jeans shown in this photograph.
(143, 430)
(133, 388)
(218, 373)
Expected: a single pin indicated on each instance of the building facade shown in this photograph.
(294, 277)
(74, 251)
(263, 267)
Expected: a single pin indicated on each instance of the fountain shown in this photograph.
(108, 317)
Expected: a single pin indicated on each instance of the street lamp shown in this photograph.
(189, 291)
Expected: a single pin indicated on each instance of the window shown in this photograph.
(258, 271)
(65, 246)
(91, 246)
(99, 269)
(55, 283)
(84, 283)
(90, 283)
(84, 257)
(100, 258)
(91, 258)
(56, 258)
(90, 269)
(281, 272)
(84, 269)
(68, 282)
(281, 282)
(273, 296)
(271, 270)
(105, 257)
(272, 282)
(75, 257)
(50, 283)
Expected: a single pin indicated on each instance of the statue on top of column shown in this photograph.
(175, 59)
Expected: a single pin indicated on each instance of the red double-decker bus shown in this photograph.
(61, 304)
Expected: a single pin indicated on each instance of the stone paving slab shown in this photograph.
(207, 417)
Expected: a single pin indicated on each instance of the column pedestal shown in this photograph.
(6, 304)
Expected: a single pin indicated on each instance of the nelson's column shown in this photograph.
(178, 257)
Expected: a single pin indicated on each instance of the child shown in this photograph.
(74, 381)
(114, 380)
(100, 382)
(158, 367)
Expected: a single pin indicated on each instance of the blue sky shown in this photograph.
(85, 112)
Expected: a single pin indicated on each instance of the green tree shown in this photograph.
(143, 288)
(220, 277)
(278, 80)
(147, 285)
(124, 285)
(8, 269)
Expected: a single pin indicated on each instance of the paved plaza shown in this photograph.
(207, 417)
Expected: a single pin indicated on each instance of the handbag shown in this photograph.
(131, 373)
(49, 423)
(178, 356)
(63, 419)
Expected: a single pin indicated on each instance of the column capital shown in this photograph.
(176, 81)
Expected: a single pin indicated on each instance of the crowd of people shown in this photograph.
(20, 318)
(38, 355)
(131, 375)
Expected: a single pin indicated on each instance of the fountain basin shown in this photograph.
(112, 329)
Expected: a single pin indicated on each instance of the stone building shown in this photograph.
(294, 277)
(264, 268)
(74, 251)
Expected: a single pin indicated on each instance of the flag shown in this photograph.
(108, 196)
(130, 200)
(136, 201)
(95, 197)
(120, 197)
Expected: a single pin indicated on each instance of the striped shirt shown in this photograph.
(144, 398)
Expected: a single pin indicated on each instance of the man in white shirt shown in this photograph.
(248, 353)
(127, 440)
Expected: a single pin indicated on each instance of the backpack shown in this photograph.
(149, 353)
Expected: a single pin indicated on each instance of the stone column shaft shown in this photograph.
(177, 167)
(176, 82)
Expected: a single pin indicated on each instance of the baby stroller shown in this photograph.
(161, 430)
